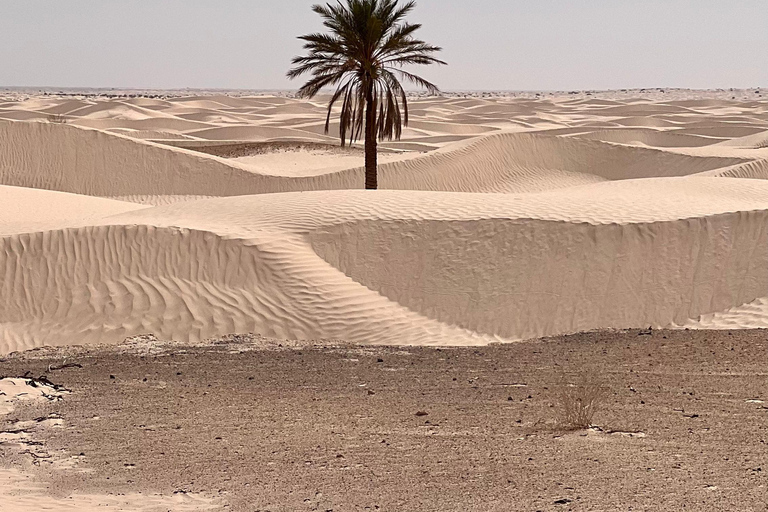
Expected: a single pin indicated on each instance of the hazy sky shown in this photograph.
(489, 44)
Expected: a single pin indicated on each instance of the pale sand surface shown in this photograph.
(502, 218)
(330, 264)
(21, 491)
(26, 210)
(312, 162)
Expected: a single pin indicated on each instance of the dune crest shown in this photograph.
(320, 265)
(91, 162)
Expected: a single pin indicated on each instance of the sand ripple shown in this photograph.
(524, 218)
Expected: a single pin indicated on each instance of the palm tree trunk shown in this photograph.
(371, 143)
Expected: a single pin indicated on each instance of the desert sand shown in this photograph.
(502, 217)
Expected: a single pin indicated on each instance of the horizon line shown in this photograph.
(49, 88)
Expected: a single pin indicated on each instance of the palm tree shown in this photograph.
(363, 57)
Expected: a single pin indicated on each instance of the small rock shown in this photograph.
(422, 413)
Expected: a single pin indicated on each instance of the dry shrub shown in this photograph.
(581, 396)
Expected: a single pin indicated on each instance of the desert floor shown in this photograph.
(256, 424)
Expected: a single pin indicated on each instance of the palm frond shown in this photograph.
(362, 55)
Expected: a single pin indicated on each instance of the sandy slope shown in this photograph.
(20, 492)
(522, 218)
(71, 159)
(394, 267)
(26, 210)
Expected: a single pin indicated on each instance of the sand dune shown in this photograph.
(333, 131)
(759, 139)
(112, 109)
(531, 163)
(332, 265)
(152, 103)
(251, 133)
(135, 275)
(747, 316)
(441, 139)
(91, 162)
(451, 128)
(21, 115)
(639, 109)
(614, 213)
(653, 138)
(213, 117)
(409, 146)
(645, 121)
(724, 131)
(160, 123)
(52, 107)
(150, 134)
(756, 170)
(26, 210)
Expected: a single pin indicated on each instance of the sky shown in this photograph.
(488, 44)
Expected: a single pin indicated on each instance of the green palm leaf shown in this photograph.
(363, 55)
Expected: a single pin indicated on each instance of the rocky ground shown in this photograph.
(267, 425)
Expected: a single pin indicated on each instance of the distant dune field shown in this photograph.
(501, 219)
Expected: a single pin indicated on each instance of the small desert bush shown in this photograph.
(57, 119)
(580, 397)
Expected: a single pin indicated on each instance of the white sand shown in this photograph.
(526, 218)
(20, 488)
(26, 210)
(312, 162)
(21, 492)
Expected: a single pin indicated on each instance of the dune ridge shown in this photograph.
(110, 282)
(72, 159)
(650, 137)
(323, 265)
(757, 169)
(501, 219)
